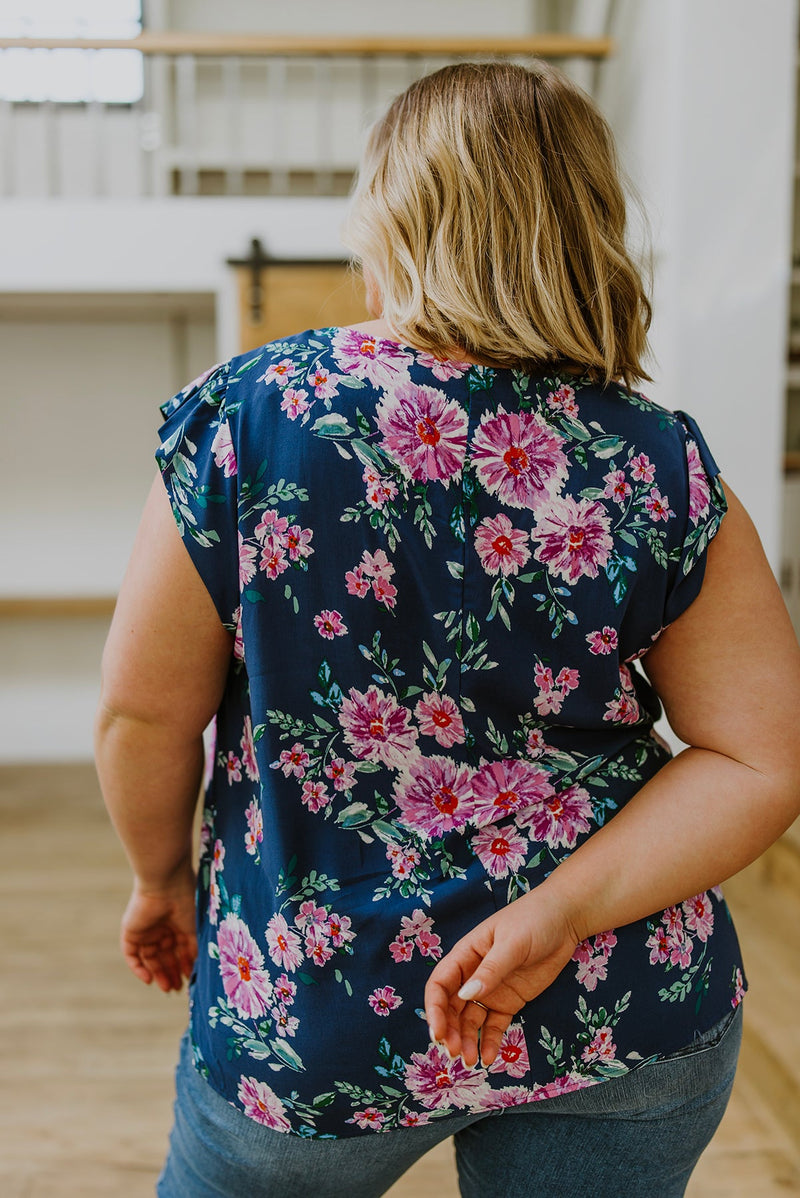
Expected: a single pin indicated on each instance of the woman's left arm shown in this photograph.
(164, 669)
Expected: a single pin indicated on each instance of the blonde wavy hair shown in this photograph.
(489, 217)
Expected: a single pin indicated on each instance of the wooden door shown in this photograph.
(293, 296)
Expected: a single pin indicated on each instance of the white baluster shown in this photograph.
(186, 119)
(232, 88)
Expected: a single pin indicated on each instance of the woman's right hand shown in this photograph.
(493, 971)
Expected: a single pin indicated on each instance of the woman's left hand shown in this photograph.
(501, 965)
(158, 937)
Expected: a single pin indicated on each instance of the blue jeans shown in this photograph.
(639, 1135)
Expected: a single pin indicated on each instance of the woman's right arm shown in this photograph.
(728, 674)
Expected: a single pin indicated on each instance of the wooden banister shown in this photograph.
(542, 45)
(56, 607)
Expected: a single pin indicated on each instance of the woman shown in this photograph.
(450, 881)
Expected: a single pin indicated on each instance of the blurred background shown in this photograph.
(173, 177)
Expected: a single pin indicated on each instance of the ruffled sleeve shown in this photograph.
(198, 465)
(704, 505)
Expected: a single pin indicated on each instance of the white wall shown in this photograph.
(80, 412)
(701, 95)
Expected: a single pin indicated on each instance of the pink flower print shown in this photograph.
(278, 372)
(357, 584)
(219, 855)
(412, 925)
(442, 368)
(317, 945)
(285, 989)
(562, 1085)
(271, 525)
(543, 677)
(285, 1024)
(223, 451)
(434, 796)
(560, 819)
(738, 988)
(402, 867)
(247, 561)
(414, 1119)
(642, 469)
(438, 1082)
(502, 549)
(583, 951)
(604, 942)
(283, 944)
(603, 640)
(401, 950)
(534, 742)
(438, 716)
(380, 492)
(424, 432)
(601, 1047)
(519, 458)
(324, 384)
(384, 1000)
(368, 1119)
(310, 915)
(501, 851)
(513, 1055)
(567, 680)
(238, 637)
(248, 750)
(590, 972)
(617, 487)
(672, 919)
(233, 767)
(699, 490)
(384, 592)
(699, 916)
(660, 945)
(341, 773)
(681, 953)
(429, 944)
(255, 828)
(273, 558)
(241, 966)
(298, 542)
(657, 506)
(330, 624)
(376, 727)
(338, 928)
(382, 363)
(294, 403)
(292, 761)
(314, 796)
(214, 896)
(508, 1096)
(574, 537)
(502, 788)
(563, 400)
(624, 707)
(262, 1104)
(377, 564)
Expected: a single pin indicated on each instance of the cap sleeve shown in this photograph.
(198, 466)
(704, 506)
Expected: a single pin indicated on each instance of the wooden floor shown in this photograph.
(86, 1052)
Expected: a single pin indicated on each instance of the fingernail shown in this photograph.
(470, 989)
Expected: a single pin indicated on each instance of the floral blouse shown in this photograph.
(438, 577)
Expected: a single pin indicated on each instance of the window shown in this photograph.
(71, 76)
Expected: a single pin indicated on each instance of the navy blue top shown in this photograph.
(439, 577)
